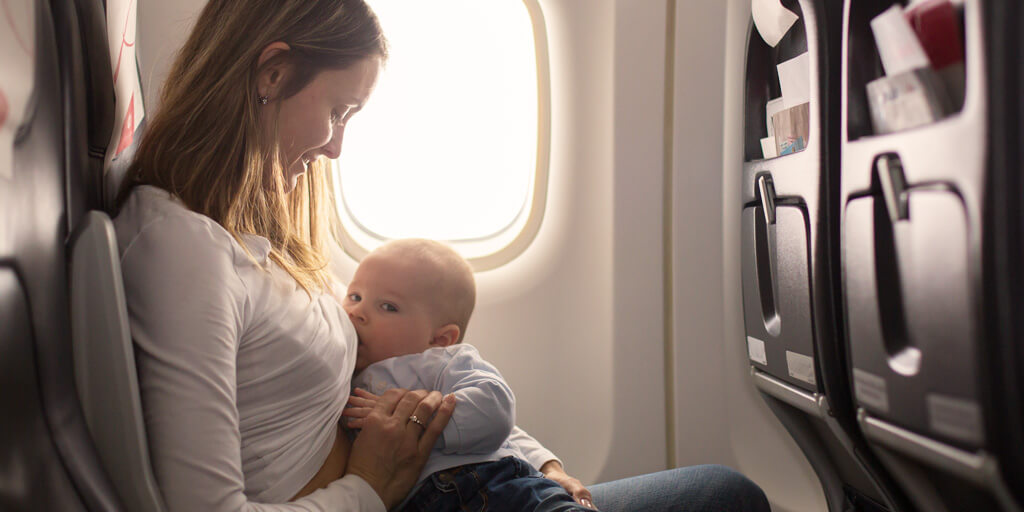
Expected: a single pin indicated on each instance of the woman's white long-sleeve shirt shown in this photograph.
(243, 377)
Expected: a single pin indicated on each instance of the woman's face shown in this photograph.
(312, 122)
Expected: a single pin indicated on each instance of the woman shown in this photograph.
(244, 355)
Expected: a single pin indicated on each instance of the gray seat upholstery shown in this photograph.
(105, 363)
(47, 459)
(104, 360)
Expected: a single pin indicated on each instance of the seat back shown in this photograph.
(789, 248)
(91, 106)
(48, 460)
(105, 363)
(918, 226)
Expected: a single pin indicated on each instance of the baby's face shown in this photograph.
(387, 302)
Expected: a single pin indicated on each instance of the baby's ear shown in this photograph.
(446, 335)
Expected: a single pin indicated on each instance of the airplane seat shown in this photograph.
(48, 460)
(105, 363)
(929, 220)
(91, 109)
(104, 360)
(107, 107)
(789, 253)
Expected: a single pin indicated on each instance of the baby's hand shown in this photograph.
(360, 403)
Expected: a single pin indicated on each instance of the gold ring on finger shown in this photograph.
(417, 421)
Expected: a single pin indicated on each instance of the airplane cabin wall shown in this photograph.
(162, 29)
(577, 323)
(718, 416)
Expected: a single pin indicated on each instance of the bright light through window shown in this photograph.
(446, 148)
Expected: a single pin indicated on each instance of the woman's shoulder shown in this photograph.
(155, 213)
(157, 233)
(165, 223)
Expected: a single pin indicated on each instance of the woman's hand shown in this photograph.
(553, 470)
(390, 451)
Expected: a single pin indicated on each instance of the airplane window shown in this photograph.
(453, 143)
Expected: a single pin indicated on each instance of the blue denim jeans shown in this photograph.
(707, 488)
(506, 485)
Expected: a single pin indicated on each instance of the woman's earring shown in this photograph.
(263, 100)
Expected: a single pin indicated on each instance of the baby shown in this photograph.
(410, 301)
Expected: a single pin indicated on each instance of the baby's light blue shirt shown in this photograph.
(482, 428)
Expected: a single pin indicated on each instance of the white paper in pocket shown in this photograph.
(772, 20)
(898, 46)
(795, 80)
(768, 147)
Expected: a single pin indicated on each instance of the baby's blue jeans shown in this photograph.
(506, 485)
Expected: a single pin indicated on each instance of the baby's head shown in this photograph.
(407, 296)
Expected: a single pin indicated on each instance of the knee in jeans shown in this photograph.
(732, 483)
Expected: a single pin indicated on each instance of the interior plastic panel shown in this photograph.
(777, 253)
(933, 254)
(778, 310)
(916, 368)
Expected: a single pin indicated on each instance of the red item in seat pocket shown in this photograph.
(936, 25)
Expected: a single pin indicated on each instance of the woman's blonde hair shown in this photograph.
(205, 144)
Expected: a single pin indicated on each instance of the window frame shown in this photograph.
(355, 239)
